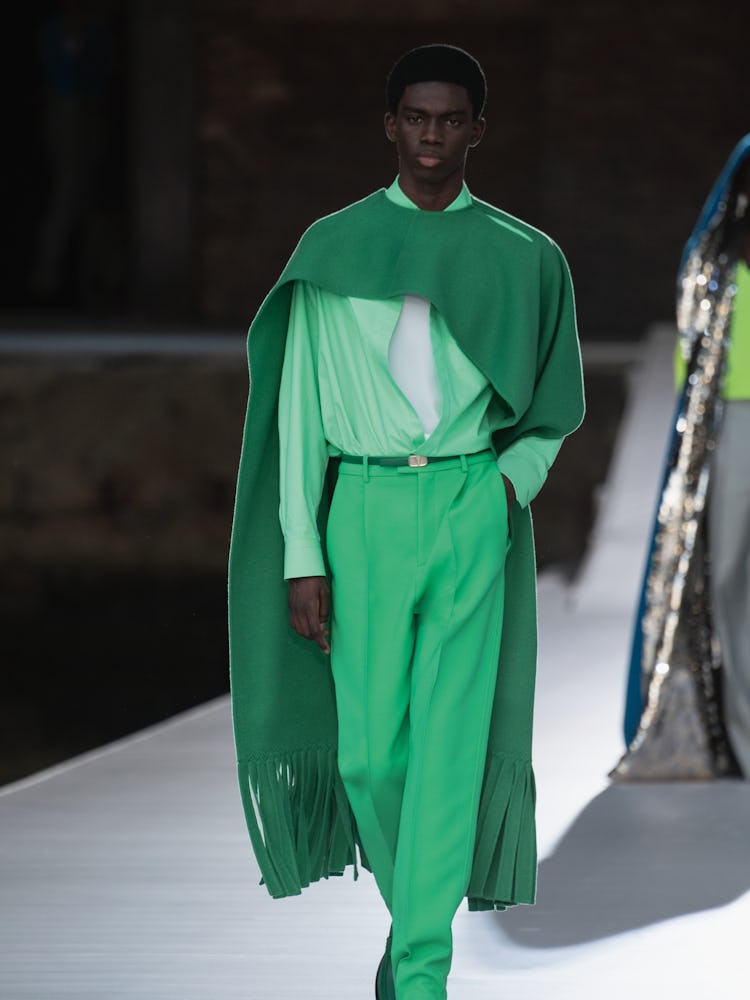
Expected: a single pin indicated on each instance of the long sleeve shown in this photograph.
(526, 463)
(303, 446)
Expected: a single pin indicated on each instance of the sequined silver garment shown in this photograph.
(681, 732)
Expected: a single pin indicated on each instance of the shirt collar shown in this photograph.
(396, 195)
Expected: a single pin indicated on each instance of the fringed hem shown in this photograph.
(504, 869)
(298, 816)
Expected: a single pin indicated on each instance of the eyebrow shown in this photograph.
(444, 114)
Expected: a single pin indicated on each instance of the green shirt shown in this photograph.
(338, 395)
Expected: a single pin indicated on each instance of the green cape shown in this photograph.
(505, 292)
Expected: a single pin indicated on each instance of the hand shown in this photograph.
(510, 494)
(309, 608)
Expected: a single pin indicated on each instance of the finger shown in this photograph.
(318, 630)
(299, 618)
(309, 610)
(315, 630)
(299, 624)
(305, 618)
(305, 621)
(322, 641)
(325, 603)
(324, 614)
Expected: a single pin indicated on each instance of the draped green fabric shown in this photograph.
(504, 290)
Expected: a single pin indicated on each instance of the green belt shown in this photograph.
(414, 461)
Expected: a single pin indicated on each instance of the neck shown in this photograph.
(432, 197)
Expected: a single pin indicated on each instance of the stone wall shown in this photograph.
(125, 465)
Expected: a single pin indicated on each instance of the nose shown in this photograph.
(431, 133)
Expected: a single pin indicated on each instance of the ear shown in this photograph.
(390, 126)
(478, 128)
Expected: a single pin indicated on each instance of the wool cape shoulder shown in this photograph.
(505, 292)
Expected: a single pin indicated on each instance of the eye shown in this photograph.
(455, 122)
(413, 119)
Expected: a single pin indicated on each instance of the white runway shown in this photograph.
(128, 873)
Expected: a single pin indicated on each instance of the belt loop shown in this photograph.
(366, 468)
(464, 464)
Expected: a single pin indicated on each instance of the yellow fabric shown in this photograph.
(737, 379)
(736, 384)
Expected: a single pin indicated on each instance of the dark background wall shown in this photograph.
(607, 122)
(221, 129)
(231, 125)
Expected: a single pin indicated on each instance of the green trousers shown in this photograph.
(417, 560)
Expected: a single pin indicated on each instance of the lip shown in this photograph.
(428, 159)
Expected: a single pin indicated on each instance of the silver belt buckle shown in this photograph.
(417, 461)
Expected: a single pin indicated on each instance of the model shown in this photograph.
(413, 373)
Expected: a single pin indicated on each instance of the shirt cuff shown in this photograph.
(303, 558)
(526, 463)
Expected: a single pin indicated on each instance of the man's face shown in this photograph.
(433, 129)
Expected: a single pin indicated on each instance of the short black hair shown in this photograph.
(440, 63)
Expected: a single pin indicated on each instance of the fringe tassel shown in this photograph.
(504, 869)
(298, 816)
(302, 828)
